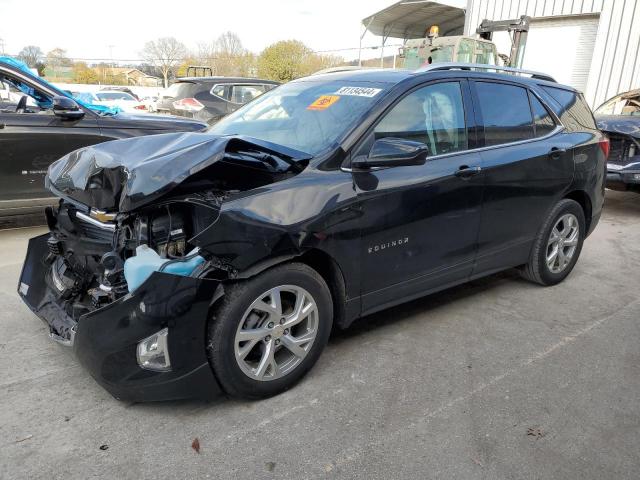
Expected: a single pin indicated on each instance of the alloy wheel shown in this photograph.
(276, 332)
(562, 243)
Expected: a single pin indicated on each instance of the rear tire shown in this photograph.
(269, 330)
(558, 245)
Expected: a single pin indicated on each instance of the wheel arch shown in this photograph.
(318, 260)
(582, 198)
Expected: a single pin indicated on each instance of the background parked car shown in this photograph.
(210, 98)
(43, 123)
(121, 89)
(114, 99)
(619, 118)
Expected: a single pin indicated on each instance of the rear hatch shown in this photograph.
(179, 90)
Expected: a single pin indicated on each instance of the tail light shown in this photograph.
(140, 107)
(605, 145)
(188, 104)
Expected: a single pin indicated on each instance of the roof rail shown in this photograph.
(479, 66)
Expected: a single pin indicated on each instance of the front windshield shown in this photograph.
(625, 104)
(307, 115)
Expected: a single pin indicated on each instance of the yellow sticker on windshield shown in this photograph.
(323, 102)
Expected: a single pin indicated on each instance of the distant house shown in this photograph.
(132, 76)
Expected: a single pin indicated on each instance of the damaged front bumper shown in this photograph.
(105, 340)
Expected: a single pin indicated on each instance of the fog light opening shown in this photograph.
(153, 352)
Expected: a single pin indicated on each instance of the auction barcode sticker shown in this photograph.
(359, 91)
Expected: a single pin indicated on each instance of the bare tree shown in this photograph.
(31, 55)
(58, 58)
(229, 44)
(226, 56)
(165, 53)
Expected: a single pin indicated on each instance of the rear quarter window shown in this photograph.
(571, 107)
(541, 118)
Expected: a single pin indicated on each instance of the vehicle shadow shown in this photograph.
(390, 316)
(618, 205)
(423, 305)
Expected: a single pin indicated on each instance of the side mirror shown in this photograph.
(393, 152)
(67, 108)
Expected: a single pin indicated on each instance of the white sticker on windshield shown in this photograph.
(359, 91)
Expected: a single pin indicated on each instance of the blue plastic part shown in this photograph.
(146, 261)
(42, 103)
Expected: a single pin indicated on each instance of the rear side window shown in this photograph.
(505, 113)
(541, 118)
(245, 93)
(573, 111)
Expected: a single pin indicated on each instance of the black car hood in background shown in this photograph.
(126, 174)
(624, 124)
(167, 123)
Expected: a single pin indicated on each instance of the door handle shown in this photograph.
(465, 171)
(555, 153)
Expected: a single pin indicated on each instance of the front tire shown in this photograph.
(269, 330)
(557, 245)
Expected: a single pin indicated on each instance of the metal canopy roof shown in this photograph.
(412, 19)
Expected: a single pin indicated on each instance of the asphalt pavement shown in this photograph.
(496, 379)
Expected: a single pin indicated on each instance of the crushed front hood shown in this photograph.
(623, 124)
(126, 174)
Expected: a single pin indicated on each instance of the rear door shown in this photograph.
(420, 223)
(527, 165)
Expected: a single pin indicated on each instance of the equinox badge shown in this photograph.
(391, 244)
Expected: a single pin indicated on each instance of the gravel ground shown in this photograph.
(498, 378)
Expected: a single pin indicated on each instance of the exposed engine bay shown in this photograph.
(87, 254)
(92, 250)
(623, 165)
(623, 149)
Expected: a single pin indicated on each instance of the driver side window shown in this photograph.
(19, 97)
(433, 115)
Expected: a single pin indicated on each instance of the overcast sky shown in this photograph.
(86, 28)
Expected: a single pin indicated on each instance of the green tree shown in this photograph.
(284, 61)
(82, 73)
(290, 59)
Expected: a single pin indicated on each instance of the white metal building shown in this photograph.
(592, 45)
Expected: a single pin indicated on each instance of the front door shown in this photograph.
(31, 138)
(420, 223)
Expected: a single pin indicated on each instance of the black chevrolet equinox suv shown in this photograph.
(189, 264)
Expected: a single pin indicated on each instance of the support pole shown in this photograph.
(361, 37)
